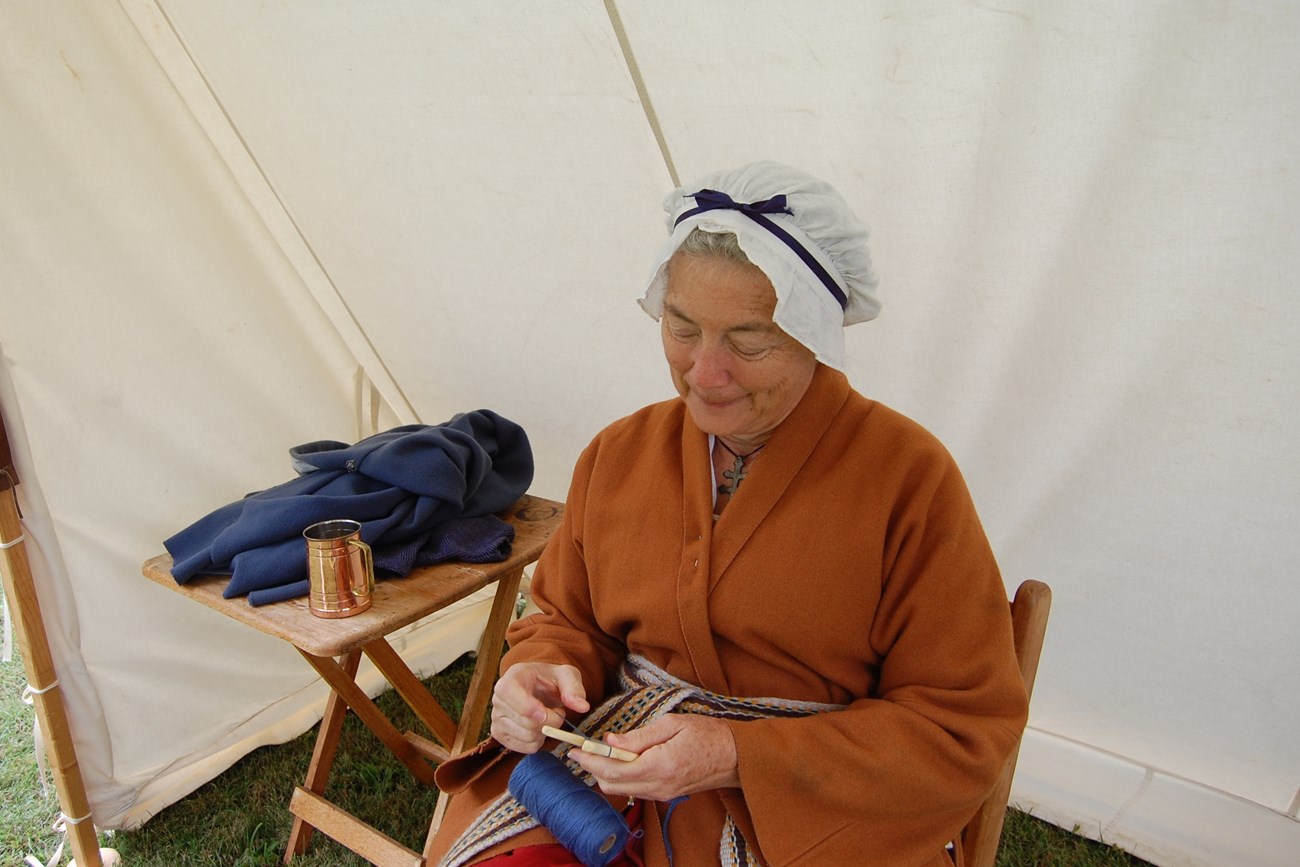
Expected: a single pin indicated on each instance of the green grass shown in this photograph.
(25, 817)
(240, 819)
(1030, 842)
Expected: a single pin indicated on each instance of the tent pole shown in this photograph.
(20, 588)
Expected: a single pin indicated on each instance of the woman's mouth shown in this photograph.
(715, 402)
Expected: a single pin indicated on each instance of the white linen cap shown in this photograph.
(797, 230)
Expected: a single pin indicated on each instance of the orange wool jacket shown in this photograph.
(850, 568)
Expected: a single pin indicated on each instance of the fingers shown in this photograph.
(514, 736)
(680, 755)
(514, 730)
(573, 694)
(654, 733)
(529, 689)
(656, 774)
(613, 776)
(530, 695)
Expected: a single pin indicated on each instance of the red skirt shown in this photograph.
(555, 855)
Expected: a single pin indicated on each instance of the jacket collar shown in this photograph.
(792, 443)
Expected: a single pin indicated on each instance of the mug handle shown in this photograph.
(368, 564)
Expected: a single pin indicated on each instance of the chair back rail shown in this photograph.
(1029, 611)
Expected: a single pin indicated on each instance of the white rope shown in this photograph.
(38, 737)
(30, 691)
(107, 857)
(32, 861)
(11, 542)
(59, 828)
(38, 746)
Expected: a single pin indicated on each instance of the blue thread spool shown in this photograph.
(579, 817)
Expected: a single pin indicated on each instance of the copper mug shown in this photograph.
(340, 568)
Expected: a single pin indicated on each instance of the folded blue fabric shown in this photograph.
(486, 539)
(401, 485)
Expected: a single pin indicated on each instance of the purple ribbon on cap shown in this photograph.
(712, 200)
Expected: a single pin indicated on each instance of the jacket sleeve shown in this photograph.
(565, 629)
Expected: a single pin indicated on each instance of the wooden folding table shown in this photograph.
(334, 648)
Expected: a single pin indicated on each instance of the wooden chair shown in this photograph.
(1029, 610)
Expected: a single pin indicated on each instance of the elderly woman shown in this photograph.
(773, 590)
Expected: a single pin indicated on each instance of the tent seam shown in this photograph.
(616, 22)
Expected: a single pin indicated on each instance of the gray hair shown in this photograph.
(703, 243)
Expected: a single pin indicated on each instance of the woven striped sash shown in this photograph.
(646, 692)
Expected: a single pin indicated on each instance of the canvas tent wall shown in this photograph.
(222, 223)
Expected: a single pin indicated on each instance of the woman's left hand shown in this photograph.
(679, 754)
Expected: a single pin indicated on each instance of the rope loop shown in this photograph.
(30, 691)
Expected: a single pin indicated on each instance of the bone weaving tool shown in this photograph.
(588, 745)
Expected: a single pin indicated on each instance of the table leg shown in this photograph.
(346, 688)
(322, 757)
(479, 694)
(413, 692)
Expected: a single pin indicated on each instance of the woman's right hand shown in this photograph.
(530, 695)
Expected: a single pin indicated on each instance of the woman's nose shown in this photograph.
(710, 368)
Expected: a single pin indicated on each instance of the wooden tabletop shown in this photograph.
(397, 602)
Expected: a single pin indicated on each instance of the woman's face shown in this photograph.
(739, 374)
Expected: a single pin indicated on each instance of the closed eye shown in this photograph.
(685, 335)
(751, 351)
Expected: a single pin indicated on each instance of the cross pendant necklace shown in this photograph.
(737, 472)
